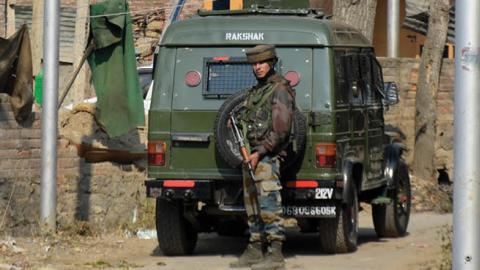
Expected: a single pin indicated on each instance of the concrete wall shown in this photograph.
(409, 41)
(404, 71)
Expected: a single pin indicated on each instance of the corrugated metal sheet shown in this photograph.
(23, 14)
(417, 18)
(414, 7)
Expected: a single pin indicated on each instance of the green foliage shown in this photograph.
(99, 264)
(81, 228)
(446, 235)
(145, 215)
(122, 264)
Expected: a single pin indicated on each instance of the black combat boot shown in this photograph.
(252, 254)
(273, 260)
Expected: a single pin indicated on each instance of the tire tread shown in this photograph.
(175, 235)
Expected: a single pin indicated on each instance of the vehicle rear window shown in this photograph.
(226, 76)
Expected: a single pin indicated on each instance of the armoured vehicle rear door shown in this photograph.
(202, 82)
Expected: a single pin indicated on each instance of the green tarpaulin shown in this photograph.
(114, 70)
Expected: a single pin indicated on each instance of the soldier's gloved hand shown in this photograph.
(253, 159)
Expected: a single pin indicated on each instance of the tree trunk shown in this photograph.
(81, 35)
(357, 13)
(429, 74)
(10, 6)
(37, 35)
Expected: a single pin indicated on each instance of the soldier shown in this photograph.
(266, 120)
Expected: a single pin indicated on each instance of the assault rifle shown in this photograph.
(250, 181)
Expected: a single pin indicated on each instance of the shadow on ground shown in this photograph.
(297, 244)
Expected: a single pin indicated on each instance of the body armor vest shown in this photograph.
(256, 117)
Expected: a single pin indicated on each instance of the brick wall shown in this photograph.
(137, 5)
(404, 71)
(106, 195)
(63, 3)
(149, 19)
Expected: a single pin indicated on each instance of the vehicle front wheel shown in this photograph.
(175, 234)
(340, 234)
(391, 220)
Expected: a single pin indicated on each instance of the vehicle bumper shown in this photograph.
(203, 190)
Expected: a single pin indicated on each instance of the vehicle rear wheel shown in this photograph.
(175, 234)
(391, 220)
(340, 234)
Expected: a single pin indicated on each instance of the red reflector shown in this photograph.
(193, 78)
(179, 183)
(221, 58)
(302, 184)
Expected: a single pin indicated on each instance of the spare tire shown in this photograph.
(227, 147)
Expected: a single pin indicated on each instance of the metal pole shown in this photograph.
(48, 195)
(393, 27)
(466, 234)
(177, 8)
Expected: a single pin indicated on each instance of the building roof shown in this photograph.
(417, 18)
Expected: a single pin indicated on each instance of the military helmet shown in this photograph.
(261, 53)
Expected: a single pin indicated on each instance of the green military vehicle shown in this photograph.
(340, 154)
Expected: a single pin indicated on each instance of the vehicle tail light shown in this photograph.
(326, 155)
(156, 153)
(302, 184)
(179, 183)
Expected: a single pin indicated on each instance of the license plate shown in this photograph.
(309, 211)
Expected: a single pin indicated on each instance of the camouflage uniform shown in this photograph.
(266, 118)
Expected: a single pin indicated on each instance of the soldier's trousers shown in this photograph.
(269, 222)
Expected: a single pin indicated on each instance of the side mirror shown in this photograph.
(391, 93)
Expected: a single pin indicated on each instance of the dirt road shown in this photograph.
(420, 249)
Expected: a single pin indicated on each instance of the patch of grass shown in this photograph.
(145, 215)
(122, 264)
(429, 196)
(446, 235)
(81, 228)
(99, 264)
(126, 265)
